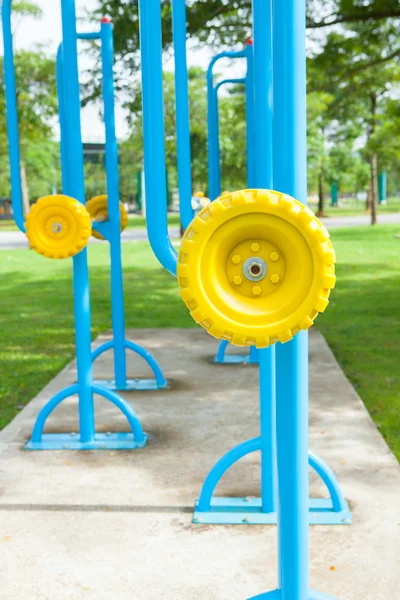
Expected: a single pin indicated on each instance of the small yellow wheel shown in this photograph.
(255, 267)
(58, 226)
(98, 210)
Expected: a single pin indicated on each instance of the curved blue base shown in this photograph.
(277, 595)
(101, 441)
(235, 359)
(122, 383)
(211, 510)
(61, 441)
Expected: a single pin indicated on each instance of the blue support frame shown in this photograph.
(110, 229)
(87, 438)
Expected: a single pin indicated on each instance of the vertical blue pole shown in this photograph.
(182, 112)
(12, 116)
(76, 189)
(61, 114)
(153, 132)
(114, 218)
(214, 173)
(262, 46)
(290, 176)
(250, 124)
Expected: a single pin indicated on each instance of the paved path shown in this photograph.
(101, 525)
(16, 239)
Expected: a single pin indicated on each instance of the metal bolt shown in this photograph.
(237, 280)
(256, 290)
(255, 247)
(236, 259)
(274, 256)
(275, 278)
(56, 227)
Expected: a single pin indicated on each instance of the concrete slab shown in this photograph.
(101, 525)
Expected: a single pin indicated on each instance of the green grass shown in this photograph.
(351, 208)
(8, 225)
(362, 323)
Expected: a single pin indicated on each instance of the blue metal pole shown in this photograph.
(61, 114)
(290, 176)
(114, 218)
(214, 174)
(12, 116)
(76, 189)
(263, 179)
(153, 133)
(182, 112)
(250, 124)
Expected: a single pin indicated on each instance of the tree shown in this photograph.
(358, 66)
(37, 106)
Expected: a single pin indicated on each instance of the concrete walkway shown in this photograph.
(117, 525)
(15, 239)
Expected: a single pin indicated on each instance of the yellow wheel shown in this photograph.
(58, 226)
(255, 267)
(98, 210)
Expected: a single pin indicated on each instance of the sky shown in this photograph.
(47, 31)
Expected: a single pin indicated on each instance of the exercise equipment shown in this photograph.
(58, 227)
(97, 208)
(109, 218)
(214, 158)
(284, 410)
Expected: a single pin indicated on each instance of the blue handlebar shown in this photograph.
(12, 116)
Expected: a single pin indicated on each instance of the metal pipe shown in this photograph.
(182, 112)
(262, 63)
(12, 116)
(61, 115)
(214, 173)
(290, 176)
(76, 189)
(250, 124)
(153, 133)
(114, 218)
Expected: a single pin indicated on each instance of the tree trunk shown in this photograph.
(369, 194)
(24, 186)
(373, 161)
(374, 187)
(321, 194)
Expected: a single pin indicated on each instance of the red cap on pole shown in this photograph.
(105, 20)
(249, 42)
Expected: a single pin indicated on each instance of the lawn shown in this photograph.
(362, 323)
(351, 208)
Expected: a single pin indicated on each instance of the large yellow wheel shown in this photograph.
(255, 267)
(98, 210)
(58, 226)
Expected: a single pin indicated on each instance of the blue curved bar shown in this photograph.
(154, 134)
(12, 116)
(330, 480)
(221, 351)
(48, 409)
(126, 410)
(151, 361)
(221, 467)
(182, 109)
(214, 176)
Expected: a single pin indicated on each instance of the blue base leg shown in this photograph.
(101, 441)
(222, 358)
(277, 595)
(132, 384)
(136, 438)
(247, 511)
(158, 383)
